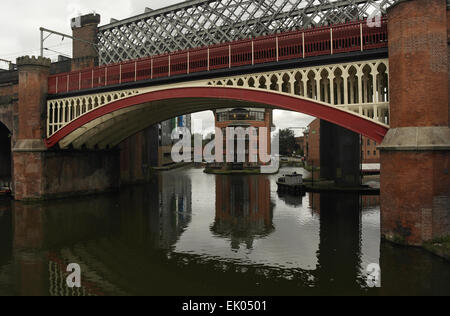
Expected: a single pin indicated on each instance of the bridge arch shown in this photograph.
(5, 156)
(107, 126)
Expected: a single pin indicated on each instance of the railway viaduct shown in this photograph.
(80, 128)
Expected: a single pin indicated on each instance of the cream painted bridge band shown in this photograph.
(361, 88)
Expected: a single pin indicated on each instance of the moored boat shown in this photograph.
(291, 183)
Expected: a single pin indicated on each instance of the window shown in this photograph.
(241, 115)
(259, 116)
(368, 153)
(222, 117)
(375, 153)
(368, 142)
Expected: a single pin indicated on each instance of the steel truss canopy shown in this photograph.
(197, 23)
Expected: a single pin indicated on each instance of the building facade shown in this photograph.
(312, 144)
(244, 118)
(369, 152)
(161, 138)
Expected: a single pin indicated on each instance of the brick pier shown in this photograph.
(41, 173)
(415, 186)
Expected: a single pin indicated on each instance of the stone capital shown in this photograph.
(85, 20)
(30, 145)
(417, 139)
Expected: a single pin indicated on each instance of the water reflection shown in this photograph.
(243, 210)
(291, 200)
(29, 255)
(6, 280)
(172, 237)
(174, 204)
(340, 244)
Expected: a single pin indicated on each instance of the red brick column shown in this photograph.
(84, 30)
(415, 182)
(29, 146)
(42, 174)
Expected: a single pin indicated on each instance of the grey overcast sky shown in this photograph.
(20, 21)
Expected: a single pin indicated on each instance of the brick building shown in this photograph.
(312, 143)
(369, 151)
(244, 118)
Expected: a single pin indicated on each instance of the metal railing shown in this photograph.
(330, 40)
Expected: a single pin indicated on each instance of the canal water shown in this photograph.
(188, 233)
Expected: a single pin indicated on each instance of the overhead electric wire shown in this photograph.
(54, 51)
(33, 50)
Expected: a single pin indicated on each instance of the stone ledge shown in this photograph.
(417, 139)
(33, 61)
(30, 145)
(84, 20)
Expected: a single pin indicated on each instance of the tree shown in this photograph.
(287, 142)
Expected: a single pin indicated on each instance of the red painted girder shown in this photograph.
(331, 114)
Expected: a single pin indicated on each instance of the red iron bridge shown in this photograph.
(328, 40)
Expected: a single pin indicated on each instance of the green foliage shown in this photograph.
(287, 142)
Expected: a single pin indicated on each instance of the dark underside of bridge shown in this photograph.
(5, 156)
(340, 155)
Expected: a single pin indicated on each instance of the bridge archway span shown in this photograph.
(107, 126)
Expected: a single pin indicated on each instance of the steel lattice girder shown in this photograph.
(197, 23)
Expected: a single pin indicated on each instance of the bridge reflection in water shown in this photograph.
(169, 238)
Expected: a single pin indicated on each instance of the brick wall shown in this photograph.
(411, 43)
(137, 155)
(75, 173)
(45, 175)
(131, 159)
(84, 54)
(369, 150)
(32, 93)
(267, 123)
(312, 144)
(370, 153)
(416, 194)
(415, 185)
(86, 30)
